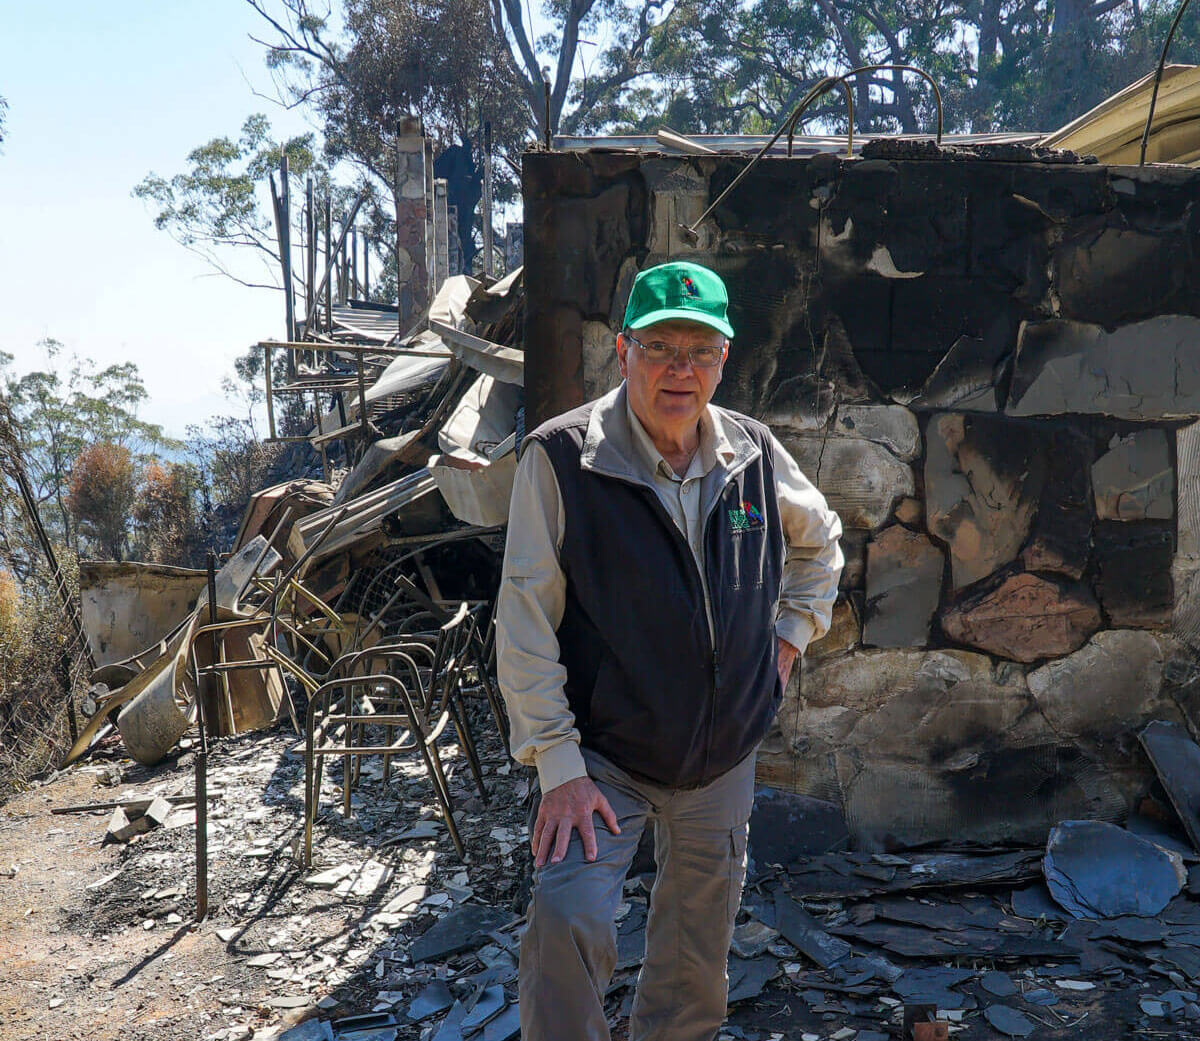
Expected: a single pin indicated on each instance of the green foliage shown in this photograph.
(218, 200)
(58, 410)
(33, 687)
(740, 66)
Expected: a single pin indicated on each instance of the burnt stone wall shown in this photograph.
(992, 370)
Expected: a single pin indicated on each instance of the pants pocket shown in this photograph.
(737, 870)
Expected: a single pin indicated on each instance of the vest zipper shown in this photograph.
(710, 628)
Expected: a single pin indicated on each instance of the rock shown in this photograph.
(983, 479)
(924, 746)
(965, 379)
(1024, 618)
(843, 633)
(892, 426)
(860, 479)
(505, 1026)
(1097, 870)
(904, 583)
(600, 370)
(122, 829)
(1142, 371)
(785, 827)
(1134, 573)
(1106, 688)
(157, 812)
(1134, 480)
(854, 549)
(1061, 536)
(909, 512)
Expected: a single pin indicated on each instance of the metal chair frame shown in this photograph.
(364, 690)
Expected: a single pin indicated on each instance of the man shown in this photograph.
(666, 563)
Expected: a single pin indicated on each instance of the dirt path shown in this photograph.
(99, 941)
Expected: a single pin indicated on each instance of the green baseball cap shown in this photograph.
(678, 290)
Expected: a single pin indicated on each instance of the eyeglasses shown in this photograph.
(700, 357)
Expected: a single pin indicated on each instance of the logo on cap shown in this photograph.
(689, 286)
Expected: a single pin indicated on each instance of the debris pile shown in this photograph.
(319, 572)
(391, 936)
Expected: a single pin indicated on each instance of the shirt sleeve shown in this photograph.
(528, 612)
(813, 561)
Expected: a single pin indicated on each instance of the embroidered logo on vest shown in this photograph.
(745, 518)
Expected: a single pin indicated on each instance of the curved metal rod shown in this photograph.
(822, 86)
(937, 94)
(1158, 75)
(825, 86)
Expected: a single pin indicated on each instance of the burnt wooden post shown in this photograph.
(488, 260)
(310, 259)
(202, 754)
(328, 264)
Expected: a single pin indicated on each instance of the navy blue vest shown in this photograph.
(651, 690)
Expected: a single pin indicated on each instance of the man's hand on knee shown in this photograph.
(566, 808)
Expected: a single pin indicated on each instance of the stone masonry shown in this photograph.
(412, 249)
(992, 370)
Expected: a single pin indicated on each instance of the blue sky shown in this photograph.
(99, 95)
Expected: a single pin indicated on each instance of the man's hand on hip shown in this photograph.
(566, 808)
(786, 657)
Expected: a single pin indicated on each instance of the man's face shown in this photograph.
(669, 393)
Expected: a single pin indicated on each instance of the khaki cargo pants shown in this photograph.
(569, 950)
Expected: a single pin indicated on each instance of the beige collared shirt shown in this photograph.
(533, 587)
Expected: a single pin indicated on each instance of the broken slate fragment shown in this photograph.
(491, 1002)
(310, 1030)
(752, 938)
(1009, 1021)
(931, 986)
(631, 943)
(998, 984)
(1035, 902)
(365, 880)
(804, 933)
(450, 1029)
(747, 977)
(1176, 759)
(1097, 870)
(505, 1026)
(785, 826)
(432, 1000)
(460, 930)
(1152, 1007)
(330, 877)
